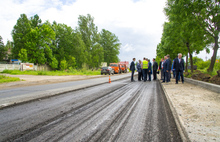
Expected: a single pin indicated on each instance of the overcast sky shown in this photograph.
(137, 23)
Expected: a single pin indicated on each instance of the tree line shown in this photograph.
(61, 46)
(193, 25)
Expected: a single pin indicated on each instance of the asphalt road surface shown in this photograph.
(122, 111)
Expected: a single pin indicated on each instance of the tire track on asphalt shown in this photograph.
(56, 119)
(122, 111)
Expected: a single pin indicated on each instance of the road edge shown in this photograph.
(52, 94)
(206, 85)
(179, 122)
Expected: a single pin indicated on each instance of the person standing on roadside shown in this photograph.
(149, 69)
(179, 67)
(139, 70)
(161, 68)
(169, 67)
(155, 67)
(132, 68)
(145, 69)
(173, 70)
(165, 69)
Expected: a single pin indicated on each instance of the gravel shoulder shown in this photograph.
(197, 110)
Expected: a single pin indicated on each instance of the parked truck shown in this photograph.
(124, 66)
(116, 67)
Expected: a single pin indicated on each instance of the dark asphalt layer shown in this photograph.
(122, 111)
(38, 88)
(16, 92)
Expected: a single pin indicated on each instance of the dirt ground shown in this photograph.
(198, 108)
(29, 80)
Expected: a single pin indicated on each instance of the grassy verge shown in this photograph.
(202, 71)
(4, 79)
(53, 73)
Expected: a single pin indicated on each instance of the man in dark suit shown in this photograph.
(149, 69)
(161, 68)
(155, 67)
(132, 68)
(166, 69)
(179, 67)
(169, 67)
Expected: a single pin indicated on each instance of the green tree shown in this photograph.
(19, 34)
(97, 55)
(23, 55)
(9, 47)
(111, 46)
(91, 38)
(207, 14)
(37, 44)
(35, 21)
(2, 49)
(67, 43)
(183, 30)
(79, 53)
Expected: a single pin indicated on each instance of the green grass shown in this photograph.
(203, 71)
(210, 73)
(54, 73)
(4, 79)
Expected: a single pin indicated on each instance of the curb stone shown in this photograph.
(179, 122)
(206, 85)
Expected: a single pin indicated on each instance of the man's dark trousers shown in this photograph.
(162, 74)
(155, 74)
(179, 73)
(149, 74)
(169, 76)
(145, 74)
(132, 75)
(140, 75)
(166, 77)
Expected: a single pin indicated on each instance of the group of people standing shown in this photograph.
(144, 69)
(177, 68)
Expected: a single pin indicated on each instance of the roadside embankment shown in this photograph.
(195, 109)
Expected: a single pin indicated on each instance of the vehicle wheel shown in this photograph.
(105, 74)
(101, 73)
(109, 73)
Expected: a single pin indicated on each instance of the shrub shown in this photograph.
(72, 62)
(54, 63)
(63, 65)
(203, 64)
(42, 73)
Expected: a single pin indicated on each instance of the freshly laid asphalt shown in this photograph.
(10, 97)
(119, 111)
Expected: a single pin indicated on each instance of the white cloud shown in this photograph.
(138, 24)
(128, 48)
